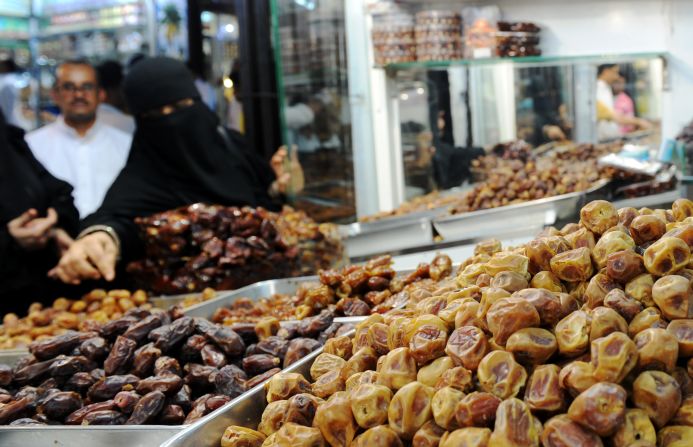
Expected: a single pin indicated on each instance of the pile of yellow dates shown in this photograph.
(581, 337)
(97, 306)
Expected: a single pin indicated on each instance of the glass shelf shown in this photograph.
(529, 60)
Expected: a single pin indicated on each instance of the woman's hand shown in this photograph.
(32, 232)
(92, 257)
(62, 240)
(288, 171)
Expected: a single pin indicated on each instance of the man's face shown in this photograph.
(612, 74)
(76, 92)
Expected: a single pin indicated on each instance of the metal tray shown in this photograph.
(255, 292)
(11, 356)
(368, 238)
(92, 436)
(245, 411)
(166, 301)
(528, 216)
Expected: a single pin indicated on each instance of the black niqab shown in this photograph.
(177, 159)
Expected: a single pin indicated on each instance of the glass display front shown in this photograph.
(449, 112)
(310, 53)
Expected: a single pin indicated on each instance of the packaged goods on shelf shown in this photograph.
(438, 36)
(480, 31)
(517, 39)
(583, 336)
(97, 306)
(393, 38)
(150, 367)
(199, 246)
(355, 290)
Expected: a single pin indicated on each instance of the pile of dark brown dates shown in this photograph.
(150, 367)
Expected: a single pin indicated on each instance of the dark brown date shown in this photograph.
(147, 409)
(259, 363)
(173, 334)
(312, 326)
(15, 410)
(216, 401)
(171, 415)
(255, 381)
(274, 346)
(121, 356)
(199, 409)
(299, 348)
(107, 387)
(190, 351)
(52, 347)
(182, 398)
(126, 401)
(230, 342)
(168, 384)
(140, 330)
(64, 366)
(144, 359)
(212, 356)
(117, 327)
(76, 417)
(198, 376)
(32, 373)
(94, 349)
(80, 382)
(230, 381)
(60, 405)
(167, 365)
(104, 417)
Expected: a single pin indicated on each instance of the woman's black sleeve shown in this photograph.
(58, 192)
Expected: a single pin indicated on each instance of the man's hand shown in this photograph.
(92, 257)
(31, 232)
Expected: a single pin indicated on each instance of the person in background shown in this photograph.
(180, 155)
(37, 223)
(79, 147)
(10, 86)
(623, 104)
(207, 92)
(608, 118)
(112, 110)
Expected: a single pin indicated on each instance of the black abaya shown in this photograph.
(177, 159)
(25, 184)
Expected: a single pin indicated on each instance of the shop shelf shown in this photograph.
(529, 60)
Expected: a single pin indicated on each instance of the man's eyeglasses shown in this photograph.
(71, 88)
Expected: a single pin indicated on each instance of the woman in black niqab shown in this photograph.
(37, 219)
(180, 155)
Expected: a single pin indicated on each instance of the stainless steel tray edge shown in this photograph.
(262, 289)
(245, 410)
(165, 301)
(532, 215)
(92, 436)
(11, 356)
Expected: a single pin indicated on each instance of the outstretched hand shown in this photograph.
(92, 257)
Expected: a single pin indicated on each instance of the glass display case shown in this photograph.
(450, 110)
(311, 63)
